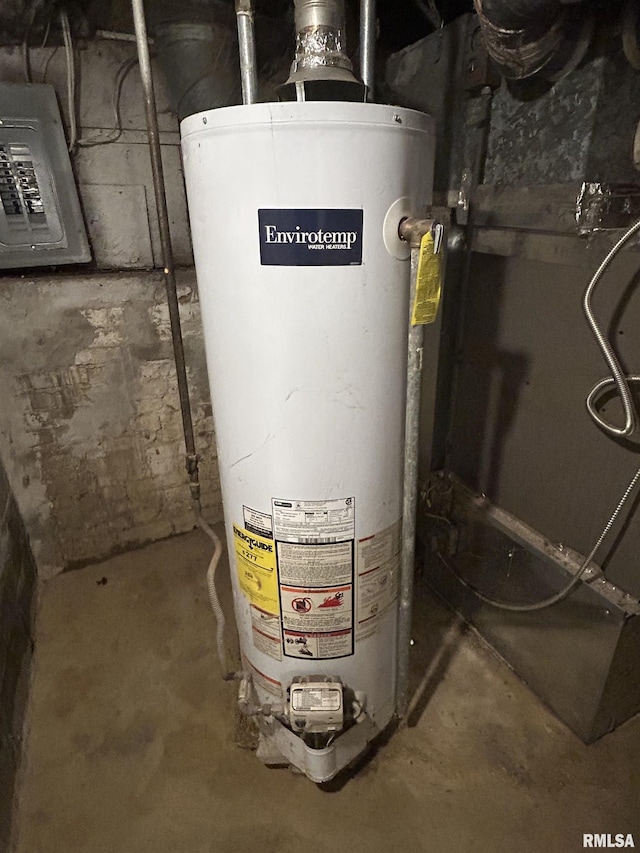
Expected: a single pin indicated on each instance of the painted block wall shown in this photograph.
(17, 594)
(90, 425)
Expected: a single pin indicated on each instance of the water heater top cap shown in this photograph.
(308, 111)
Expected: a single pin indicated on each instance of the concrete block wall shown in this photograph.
(114, 179)
(17, 595)
(90, 425)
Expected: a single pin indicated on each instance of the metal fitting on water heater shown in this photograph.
(321, 69)
(412, 230)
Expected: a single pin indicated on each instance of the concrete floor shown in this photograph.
(130, 740)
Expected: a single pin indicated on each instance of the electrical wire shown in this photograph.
(618, 380)
(26, 60)
(99, 138)
(114, 134)
(431, 12)
(26, 57)
(571, 585)
(71, 78)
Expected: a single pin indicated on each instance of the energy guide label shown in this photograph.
(256, 567)
(314, 521)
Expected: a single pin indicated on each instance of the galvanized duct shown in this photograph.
(527, 37)
(197, 49)
(321, 52)
(200, 64)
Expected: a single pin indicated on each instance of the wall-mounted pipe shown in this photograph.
(165, 242)
(174, 314)
(368, 44)
(247, 47)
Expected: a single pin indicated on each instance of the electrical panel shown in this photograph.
(41, 221)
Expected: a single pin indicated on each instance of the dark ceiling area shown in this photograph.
(400, 23)
(404, 23)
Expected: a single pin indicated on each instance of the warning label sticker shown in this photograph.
(314, 521)
(306, 609)
(257, 522)
(315, 554)
(267, 636)
(262, 680)
(317, 622)
(256, 566)
(378, 563)
(315, 565)
(335, 644)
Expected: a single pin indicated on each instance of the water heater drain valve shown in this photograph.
(316, 704)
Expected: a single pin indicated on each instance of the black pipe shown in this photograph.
(165, 243)
(482, 126)
(527, 37)
(520, 14)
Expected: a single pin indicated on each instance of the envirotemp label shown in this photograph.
(310, 237)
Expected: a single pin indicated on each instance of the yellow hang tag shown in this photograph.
(428, 283)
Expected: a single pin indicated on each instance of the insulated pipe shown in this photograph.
(165, 243)
(368, 44)
(410, 496)
(247, 47)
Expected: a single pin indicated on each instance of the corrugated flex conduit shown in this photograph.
(618, 381)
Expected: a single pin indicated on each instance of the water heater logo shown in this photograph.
(314, 239)
(319, 237)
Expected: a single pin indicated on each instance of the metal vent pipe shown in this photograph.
(321, 52)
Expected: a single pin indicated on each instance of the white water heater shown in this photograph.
(304, 286)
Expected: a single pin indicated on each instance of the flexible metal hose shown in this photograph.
(575, 580)
(621, 382)
(617, 378)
